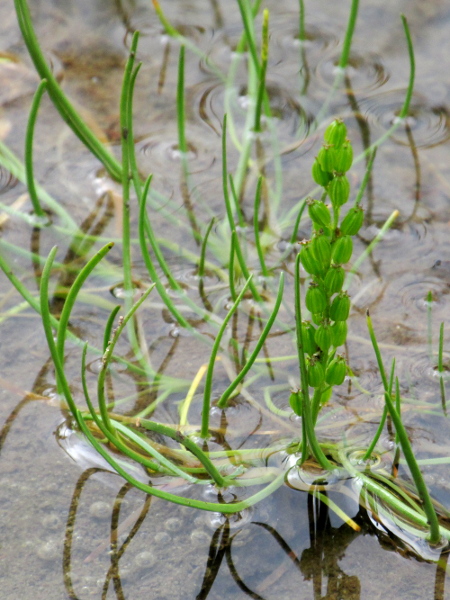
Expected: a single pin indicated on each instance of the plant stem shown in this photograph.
(345, 54)
(306, 403)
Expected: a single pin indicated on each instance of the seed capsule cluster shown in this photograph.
(330, 247)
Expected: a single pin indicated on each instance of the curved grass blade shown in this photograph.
(416, 473)
(204, 431)
(60, 100)
(222, 403)
(29, 135)
(72, 296)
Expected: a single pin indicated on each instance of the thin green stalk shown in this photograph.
(263, 69)
(412, 69)
(226, 195)
(297, 223)
(240, 257)
(204, 431)
(181, 114)
(137, 181)
(429, 303)
(406, 445)
(247, 20)
(301, 21)
(231, 271)
(126, 127)
(376, 240)
(237, 205)
(308, 429)
(398, 405)
(366, 177)
(441, 368)
(222, 403)
(441, 349)
(201, 262)
(382, 422)
(29, 135)
(345, 54)
(262, 262)
(61, 102)
(109, 326)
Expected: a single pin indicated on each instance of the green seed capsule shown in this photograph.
(339, 190)
(315, 299)
(308, 333)
(344, 157)
(323, 337)
(326, 395)
(295, 401)
(317, 318)
(336, 133)
(339, 332)
(340, 307)
(327, 158)
(316, 372)
(352, 221)
(336, 371)
(321, 248)
(309, 260)
(319, 213)
(342, 250)
(320, 176)
(334, 279)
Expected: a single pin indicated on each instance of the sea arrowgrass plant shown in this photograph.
(223, 245)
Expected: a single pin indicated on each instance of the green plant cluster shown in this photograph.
(324, 258)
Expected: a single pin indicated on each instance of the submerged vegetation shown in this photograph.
(299, 299)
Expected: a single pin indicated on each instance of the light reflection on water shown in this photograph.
(76, 526)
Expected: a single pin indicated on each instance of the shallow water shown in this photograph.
(58, 504)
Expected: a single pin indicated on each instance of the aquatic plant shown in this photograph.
(133, 444)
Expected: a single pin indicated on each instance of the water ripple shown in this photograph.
(425, 126)
(362, 72)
